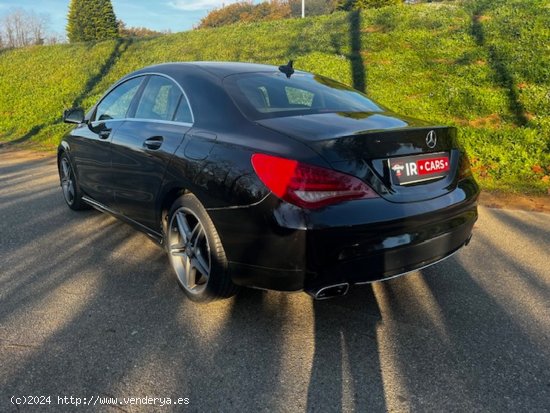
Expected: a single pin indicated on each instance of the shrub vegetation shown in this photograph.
(482, 66)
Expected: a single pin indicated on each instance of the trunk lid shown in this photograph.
(403, 159)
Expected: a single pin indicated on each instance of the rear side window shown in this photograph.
(116, 104)
(159, 99)
(269, 95)
(183, 113)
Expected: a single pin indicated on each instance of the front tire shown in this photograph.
(196, 252)
(69, 185)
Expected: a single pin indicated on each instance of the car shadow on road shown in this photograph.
(536, 227)
(346, 370)
(130, 333)
(473, 349)
(23, 166)
(90, 307)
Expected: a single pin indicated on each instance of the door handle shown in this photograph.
(153, 143)
(104, 134)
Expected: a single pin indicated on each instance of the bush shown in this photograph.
(422, 61)
(245, 12)
(367, 4)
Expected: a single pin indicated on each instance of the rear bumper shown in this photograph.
(371, 256)
(276, 246)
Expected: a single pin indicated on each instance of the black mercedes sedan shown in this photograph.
(269, 177)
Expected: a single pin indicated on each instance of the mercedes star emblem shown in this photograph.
(431, 139)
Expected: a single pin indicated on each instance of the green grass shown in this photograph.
(481, 65)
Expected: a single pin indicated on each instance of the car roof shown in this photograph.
(218, 69)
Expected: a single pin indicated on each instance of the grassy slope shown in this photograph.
(478, 66)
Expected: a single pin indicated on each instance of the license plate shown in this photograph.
(411, 169)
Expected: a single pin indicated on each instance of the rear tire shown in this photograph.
(196, 252)
(69, 184)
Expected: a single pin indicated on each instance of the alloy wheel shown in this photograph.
(189, 250)
(67, 181)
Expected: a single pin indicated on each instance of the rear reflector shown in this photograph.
(308, 186)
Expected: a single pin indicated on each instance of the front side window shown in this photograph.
(116, 104)
(159, 99)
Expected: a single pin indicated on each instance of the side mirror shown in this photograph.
(74, 115)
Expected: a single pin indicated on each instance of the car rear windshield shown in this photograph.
(272, 95)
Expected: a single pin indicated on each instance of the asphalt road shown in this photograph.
(89, 308)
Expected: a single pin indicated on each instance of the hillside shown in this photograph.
(483, 66)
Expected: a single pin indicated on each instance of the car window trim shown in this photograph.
(169, 122)
(149, 74)
(139, 92)
(181, 90)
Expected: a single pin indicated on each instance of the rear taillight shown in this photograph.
(306, 185)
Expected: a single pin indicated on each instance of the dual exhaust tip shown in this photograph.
(338, 290)
(330, 291)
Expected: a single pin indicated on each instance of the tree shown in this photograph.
(366, 4)
(246, 11)
(312, 7)
(22, 28)
(225, 15)
(125, 31)
(91, 20)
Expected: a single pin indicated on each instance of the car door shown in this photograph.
(143, 146)
(91, 142)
